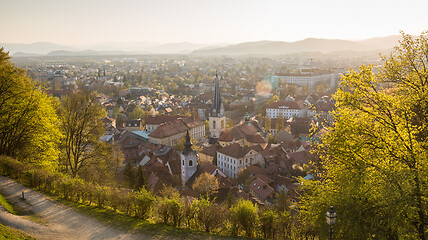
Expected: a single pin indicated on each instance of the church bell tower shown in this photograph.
(217, 118)
(189, 161)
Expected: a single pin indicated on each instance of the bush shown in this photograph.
(268, 220)
(143, 201)
(209, 215)
(243, 216)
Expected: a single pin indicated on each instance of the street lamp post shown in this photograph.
(330, 217)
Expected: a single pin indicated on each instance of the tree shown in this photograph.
(207, 128)
(205, 184)
(243, 216)
(140, 178)
(180, 144)
(104, 165)
(137, 113)
(129, 175)
(81, 124)
(209, 215)
(244, 179)
(267, 124)
(279, 124)
(268, 218)
(375, 162)
(120, 120)
(28, 120)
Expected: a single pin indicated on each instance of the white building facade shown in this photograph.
(285, 110)
(231, 160)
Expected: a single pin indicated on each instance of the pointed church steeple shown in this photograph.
(187, 144)
(217, 117)
(216, 107)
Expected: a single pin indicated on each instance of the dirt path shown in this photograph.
(61, 221)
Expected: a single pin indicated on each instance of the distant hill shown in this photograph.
(257, 48)
(307, 45)
(34, 48)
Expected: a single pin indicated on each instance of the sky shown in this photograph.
(80, 22)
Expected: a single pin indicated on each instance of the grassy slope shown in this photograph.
(6, 205)
(125, 222)
(7, 232)
(10, 233)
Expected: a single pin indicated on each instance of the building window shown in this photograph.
(213, 124)
(190, 163)
(183, 162)
(222, 124)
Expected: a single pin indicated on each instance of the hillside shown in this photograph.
(307, 45)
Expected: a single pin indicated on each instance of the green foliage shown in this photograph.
(144, 201)
(11, 233)
(375, 161)
(209, 215)
(81, 124)
(268, 219)
(7, 205)
(137, 113)
(205, 184)
(140, 178)
(244, 217)
(129, 175)
(28, 120)
(103, 166)
(169, 207)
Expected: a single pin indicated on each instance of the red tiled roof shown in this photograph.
(300, 157)
(211, 150)
(175, 127)
(262, 189)
(255, 139)
(235, 150)
(226, 137)
(239, 132)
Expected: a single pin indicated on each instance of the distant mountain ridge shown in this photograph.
(306, 45)
(246, 48)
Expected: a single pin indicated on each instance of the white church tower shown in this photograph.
(217, 117)
(189, 161)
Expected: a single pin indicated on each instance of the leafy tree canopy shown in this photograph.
(375, 157)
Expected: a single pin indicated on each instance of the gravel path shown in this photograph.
(61, 221)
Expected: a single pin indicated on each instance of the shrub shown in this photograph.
(209, 215)
(143, 201)
(243, 216)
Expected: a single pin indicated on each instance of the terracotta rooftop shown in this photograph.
(175, 127)
(211, 150)
(239, 132)
(262, 189)
(255, 139)
(236, 151)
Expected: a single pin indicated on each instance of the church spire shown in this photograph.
(216, 106)
(187, 144)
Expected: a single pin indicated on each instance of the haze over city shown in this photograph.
(214, 119)
(81, 22)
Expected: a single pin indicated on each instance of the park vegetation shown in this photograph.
(372, 166)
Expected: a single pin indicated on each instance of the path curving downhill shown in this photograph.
(62, 222)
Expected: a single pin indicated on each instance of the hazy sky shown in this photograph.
(77, 22)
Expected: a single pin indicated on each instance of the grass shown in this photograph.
(7, 205)
(37, 219)
(10, 233)
(133, 224)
